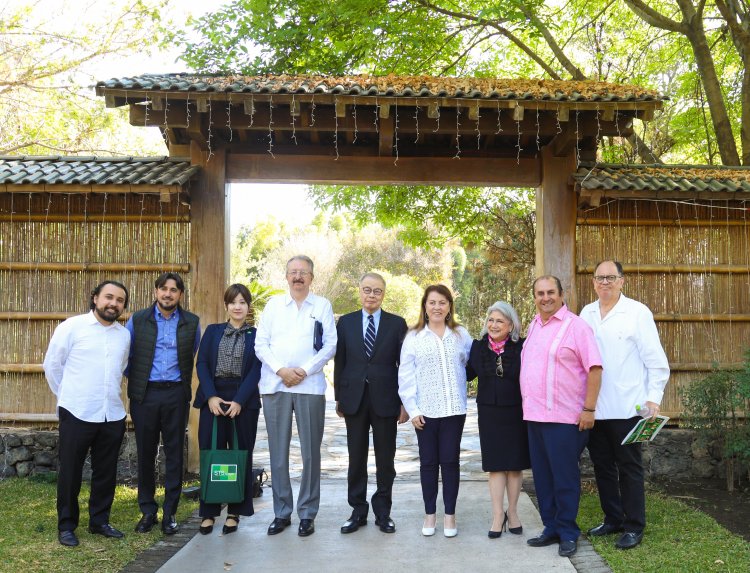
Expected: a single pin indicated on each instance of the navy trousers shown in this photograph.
(555, 453)
(439, 451)
(619, 474)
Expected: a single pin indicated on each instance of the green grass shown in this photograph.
(678, 539)
(28, 530)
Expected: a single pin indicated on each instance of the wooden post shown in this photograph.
(556, 223)
(209, 257)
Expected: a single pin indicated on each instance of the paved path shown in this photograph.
(251, 549)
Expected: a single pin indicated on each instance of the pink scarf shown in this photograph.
(497, 347)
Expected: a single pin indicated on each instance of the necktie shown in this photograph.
(370, 336)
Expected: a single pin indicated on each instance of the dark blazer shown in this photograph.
(247, 396)
(352, 368)
(482, 364)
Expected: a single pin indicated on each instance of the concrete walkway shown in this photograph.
(251, 549)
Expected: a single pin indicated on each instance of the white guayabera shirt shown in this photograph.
(432, 372)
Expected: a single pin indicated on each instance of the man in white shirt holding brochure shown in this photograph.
(636, 370)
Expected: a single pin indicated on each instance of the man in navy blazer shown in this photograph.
(365, 381)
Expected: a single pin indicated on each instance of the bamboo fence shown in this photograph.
(54, 248)
(689, 262)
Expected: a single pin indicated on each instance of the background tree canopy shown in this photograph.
(697, 53)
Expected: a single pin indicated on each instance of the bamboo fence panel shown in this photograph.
(51, 237)
(709, 245)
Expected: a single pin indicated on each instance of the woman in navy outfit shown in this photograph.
(229, 371)
(496, 360)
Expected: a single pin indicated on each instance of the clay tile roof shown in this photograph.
(688, 178)
(57, 170)
(389, 86)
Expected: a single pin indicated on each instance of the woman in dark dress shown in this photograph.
(228, 372)
(495, 359)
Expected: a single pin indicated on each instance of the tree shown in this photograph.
(44, 46)
(694, 52)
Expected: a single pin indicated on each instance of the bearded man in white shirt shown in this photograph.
(296, 338)
(83, 365)
(636, 370)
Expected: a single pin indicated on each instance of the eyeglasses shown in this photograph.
(499, 366)
(298, 273)
(375, 291)
(609, 278)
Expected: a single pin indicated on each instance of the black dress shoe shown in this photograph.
(604, 529)
(629, 540)
(278, 525)
(147, 522)
(206, 529)
(567, 548)
(353, 524)
(67, 538)
(106, 530)
(306, 527)
(231, 528)
(386, 524)
(169, 525)
(543, 540)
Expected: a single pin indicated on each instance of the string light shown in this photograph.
(166, 121)
(458, 134)
(270, 127)
(187, 110)
(377, 112)
(229, 115)
(336, 130)
(395, 133)
(537, 128)
(312, 111)
(578, 149)
(518, 141)
(145, 115)
(557, 119)
(210, 130)
(416, 122)
(292, 111)
(354, 115)
(499, 114)
(252, 112)
(479, 133)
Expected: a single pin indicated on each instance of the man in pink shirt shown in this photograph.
(561, 372)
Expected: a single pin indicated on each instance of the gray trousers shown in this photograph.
(309, 411)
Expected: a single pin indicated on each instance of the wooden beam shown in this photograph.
(433, 110)
(564, 142)
(667, 195)
(21, 368)
(385, 137)
(653, 269)
(666, 222)
(384, 111)
(93, 218)
(93, 267)
(677, 317)
(556, 204)
(341, 109)
(35, 316)
(209, 256)
(518, 112)
(198, 132)
(311, 169)
(34, 418)
(77, 188)
(704, 366)
(182, 150)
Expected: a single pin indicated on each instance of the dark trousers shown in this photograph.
(358, 442)
(439, 451)
(163, 413)
(555, 453)
(76, 438)
(619, 474)
(247, 428)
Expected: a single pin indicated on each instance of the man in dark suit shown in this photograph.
(365, 381)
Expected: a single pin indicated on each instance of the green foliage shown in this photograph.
(45, 106)
(716, 406)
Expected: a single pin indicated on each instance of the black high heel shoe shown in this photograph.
(206, 529)
(504, 527)
(231, 528)
(514, 530)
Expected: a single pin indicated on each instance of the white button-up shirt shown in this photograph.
(84, 365)
(285, 340)
(432, 372)
(635, 367)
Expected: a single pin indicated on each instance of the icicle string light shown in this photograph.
(210, 129)
(538, 146)
(377, 115)
(416, 123)
(458, 133)
(499, 115)
(395, 133)
(270, 127)
(336, 130)
(518, 141)
(312, 111)
(229, 116)
(354, 115)
(478, 131)
(294, 121)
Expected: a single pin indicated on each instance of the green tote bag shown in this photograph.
(223, 471)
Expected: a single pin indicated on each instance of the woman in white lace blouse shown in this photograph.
(432, 386)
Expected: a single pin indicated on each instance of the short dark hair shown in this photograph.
(98, 289)
(548, 278)
(237, 288)
(162, 279)
(617, 264)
